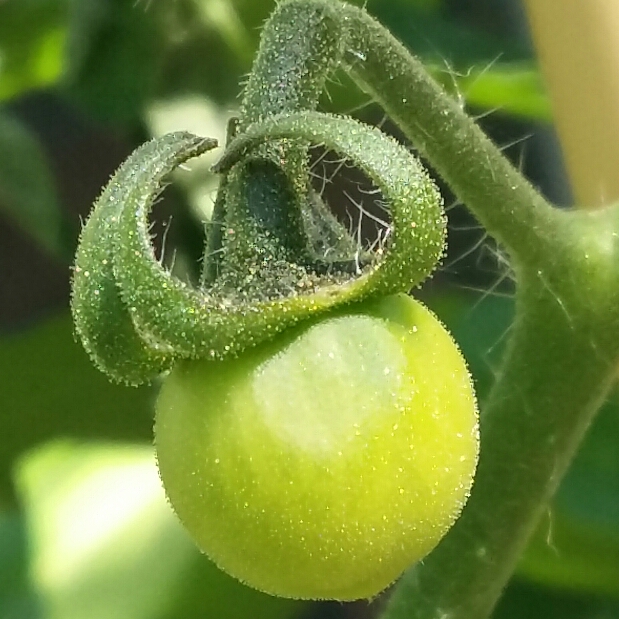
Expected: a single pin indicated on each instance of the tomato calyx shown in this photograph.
(275, 255)
(135, 318)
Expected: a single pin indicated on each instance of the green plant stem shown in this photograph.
(278, 83)
(564, 345)
(563, 350)
(562, 360)
(504, 202)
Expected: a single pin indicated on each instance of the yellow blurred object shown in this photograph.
(578, 48)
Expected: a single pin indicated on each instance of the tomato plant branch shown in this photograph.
(561, 361)
(280, 83)
(564, 343)
(504, 202)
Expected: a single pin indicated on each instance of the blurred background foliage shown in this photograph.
(85, 532)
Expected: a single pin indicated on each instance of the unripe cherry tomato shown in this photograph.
(324, 463)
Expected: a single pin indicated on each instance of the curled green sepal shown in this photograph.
(135, 318)
(417, 233)
(199, 324)
(102, 318)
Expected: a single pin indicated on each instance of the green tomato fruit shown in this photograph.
(323, 464)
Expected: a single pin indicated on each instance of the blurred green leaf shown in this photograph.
(479, 324)
(118, 47)
(577, 546)
(524, 600)
(591, 489)
(507, 88)
(17, 598)
(106, 545)
(428, 5)
(572, 555)
(27, 189)
(210, 45)
(86, 17)
(435, 36)
(32, 44)
(222, 15)
(50, 388)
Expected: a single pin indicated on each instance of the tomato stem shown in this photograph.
(270, 211)
(564, 344)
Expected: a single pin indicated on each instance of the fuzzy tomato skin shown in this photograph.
(323, 464)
